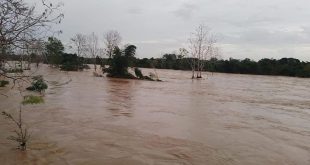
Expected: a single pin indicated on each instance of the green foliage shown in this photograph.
(54, 49)
(168, 61)
(71, 62)
(285, 66)
(30, 99)
(3, 83)
(120, 62)
(38, 84)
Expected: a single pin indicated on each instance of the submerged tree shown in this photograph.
(37, 52)
(201, 48)
(54, 50)
(79, 42)
(92, 48)
(80, 45)
(112, 39)
(72, 62)
(121, 61)
(22, 134)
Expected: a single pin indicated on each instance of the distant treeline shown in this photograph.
(284, 67)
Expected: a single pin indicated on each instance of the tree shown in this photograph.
(54, 50)
(182, 53)
(22, 134)
(79, 42)
(72, 62)
(112, 39)
(121, 61)
(21, 24)
(201, 48)
(93, 48)
(37, 51)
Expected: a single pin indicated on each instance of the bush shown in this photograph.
(30, 99)
(3, 83)
(38, 84)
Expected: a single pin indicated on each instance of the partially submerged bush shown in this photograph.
(3, 83)
(30, 99)
(38, 84)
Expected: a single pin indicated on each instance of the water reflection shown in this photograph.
(120, 97)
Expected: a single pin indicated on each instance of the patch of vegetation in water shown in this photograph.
(120, 62)
(31, 99)
(71, 62)
(3, 83)
(38, 84)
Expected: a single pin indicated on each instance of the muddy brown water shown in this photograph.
(222, 120)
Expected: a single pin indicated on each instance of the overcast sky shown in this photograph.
(244, 28)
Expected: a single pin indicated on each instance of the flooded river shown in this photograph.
(226, 119)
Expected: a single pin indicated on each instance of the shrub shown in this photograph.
(3, 83)
(30, 99)
(38, 84)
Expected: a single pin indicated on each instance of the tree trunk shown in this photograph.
(193, 73)
(95, 65)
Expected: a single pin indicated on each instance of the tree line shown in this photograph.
(55, 56)
(282, 67)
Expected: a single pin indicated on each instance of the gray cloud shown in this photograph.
(254, 29)
(135, 10)
(186, 10)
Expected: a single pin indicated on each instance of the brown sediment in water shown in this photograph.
(224, 119)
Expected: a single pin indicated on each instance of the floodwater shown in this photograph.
(226, 119)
